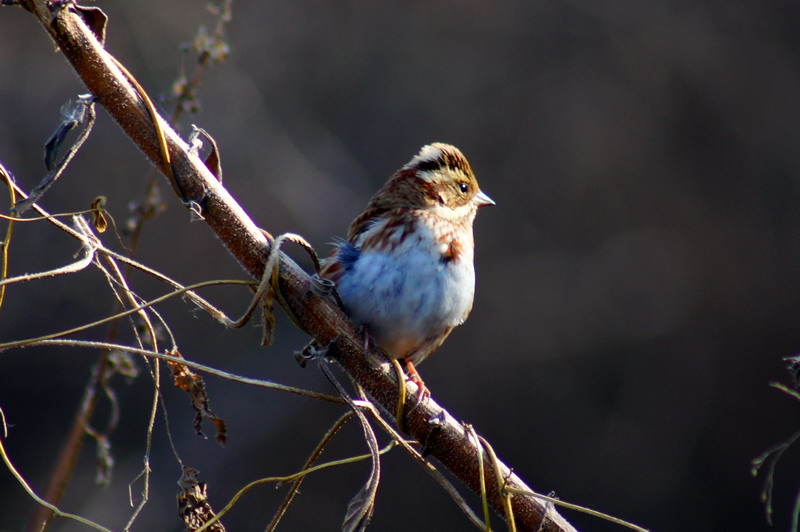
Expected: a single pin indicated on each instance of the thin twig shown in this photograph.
(361, 506)
(315, 454)
(578, 508)
(135, 310)
(145, 473)
(53, 509)
(473, 436)
(426, 465)
(289, 478)
(194, 365)
(501, 481)
(6, 242)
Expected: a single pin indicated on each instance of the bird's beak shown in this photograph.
(482, 200)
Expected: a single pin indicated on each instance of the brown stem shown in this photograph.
(443, 437)
(69, 450)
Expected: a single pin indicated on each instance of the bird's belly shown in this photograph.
(408, 299)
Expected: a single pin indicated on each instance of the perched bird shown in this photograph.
(405, 273)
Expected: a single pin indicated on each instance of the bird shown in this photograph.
(405, 272)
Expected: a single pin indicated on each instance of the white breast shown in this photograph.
(407, 296)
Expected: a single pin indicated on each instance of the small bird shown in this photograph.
(405, 273)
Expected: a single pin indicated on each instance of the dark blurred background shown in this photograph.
(638, 281)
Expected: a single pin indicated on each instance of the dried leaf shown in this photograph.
(104, 459)
(195, 386)
(222, 429)
(95, 18)
(193, 506)
(360, 508)
(54, 142)
(78, 115)
(213, 162)
(98, 217)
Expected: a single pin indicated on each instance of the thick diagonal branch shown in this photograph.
(443, 436)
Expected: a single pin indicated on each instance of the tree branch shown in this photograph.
(441, 435)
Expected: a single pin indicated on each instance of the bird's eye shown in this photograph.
(463, 187)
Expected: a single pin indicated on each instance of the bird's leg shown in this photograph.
(413, 375)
